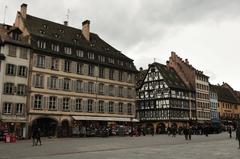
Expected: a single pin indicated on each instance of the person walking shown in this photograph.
(238, 135)
(152, 131)
(185, 132)
(230, 131)
(38, 136)
(190, 132)
(174, 131)
(34, 136)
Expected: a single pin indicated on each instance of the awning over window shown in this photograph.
(94, 118)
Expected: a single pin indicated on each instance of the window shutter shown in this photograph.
(60, 104)
(34, 60)
(48, 82)
(106, 73)
(73, 67)
(32, 102)
(33, 80)
(84, 106)
(48, 62)
(116, 91)
(124, 108)
(14, 70)
(45, 103)
(85, 69)
(93, 106)
(72, 106)
(106, 90)
(96, 105)
(106, 107)
(62, 62)
(57, 83)
(60, 84)
(14, 89)
(74, 85)
(115, 76)
(85, 87)
(96, 71)
(96, 87)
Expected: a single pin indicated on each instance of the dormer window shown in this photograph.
(101, 58)
(41, 44)
(75, 41)
(79, 53)
(45, 26)
(120, 63)
(42, 32)
(91, 55)
(92, 44)
(55, 47)
(68, 50)
(78, 35)
(111, 60)
(61, 31)
(57, 36)
(15, 36)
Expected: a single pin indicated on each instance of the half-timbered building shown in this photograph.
(163, 98)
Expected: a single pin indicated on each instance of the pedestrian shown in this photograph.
(34, 136)
(152, 131)
(185, 132)
(38, 136)
(230, 131)
(174, 131)
(206, 130)
(168, 131)
(190, 132)
(238, 135)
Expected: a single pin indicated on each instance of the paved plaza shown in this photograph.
(143, 147)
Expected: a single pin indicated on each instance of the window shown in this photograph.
(120, 63)
(7, 108)
(67, 50)
(41, 44)
(52, 105)
(110, 108)
(111, 90)
(22, 71)
(55, 47)
(78, 104)
(8, 88)
(53, 82)
(38, 101)
(24, 53)
(66, 104)
(120, 107)
(79, 53)
(101, 58)
(91, 55)
(66, 84)
(78, 86)
(15, 36)
(90, 106)
(12, 51)
(91, 70)
(129, 108)
(40, 61)
(79, 68)
(39, 81)
(120, 76)
(54, 64)
(21, 90)
(101, 88)
(19, 108)
(111, 60)
(10, 69)
(101, 72)
(111, 72)
(101, 106)
(90, 87)
(129, 77)
(67, 65)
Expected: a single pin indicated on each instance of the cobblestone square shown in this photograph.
(144, 147)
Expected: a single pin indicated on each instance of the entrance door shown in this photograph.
(47, 126)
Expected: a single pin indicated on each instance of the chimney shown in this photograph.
(65, 23)
(140, 69)
(186, 61)
(86, 29)
(24, 10)
(174, 56)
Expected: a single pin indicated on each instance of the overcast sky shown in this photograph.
(207, 32)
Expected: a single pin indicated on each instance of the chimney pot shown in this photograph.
(86, 29)
(24, 10)
(65, 23)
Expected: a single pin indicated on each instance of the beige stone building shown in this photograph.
(14, 66)
(76, 79)
(196, 80)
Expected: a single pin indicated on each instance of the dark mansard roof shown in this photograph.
(72, 37)
(140, 78)
(169, 74)
(225, 94)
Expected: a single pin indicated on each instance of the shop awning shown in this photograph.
(94, 118)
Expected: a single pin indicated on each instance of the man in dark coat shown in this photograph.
(238, 135)
(190, 131)
(38, 136)
(34, 136)
(186, 132)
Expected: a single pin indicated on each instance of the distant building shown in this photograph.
(76, 78)
(14, 74)
(214, 104)
(228, 103)
(196, 80)
(163, 98)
